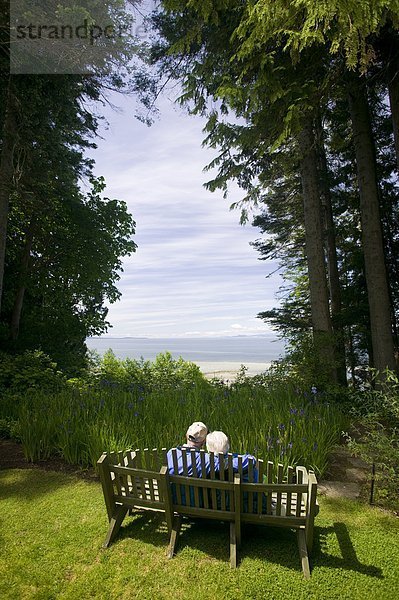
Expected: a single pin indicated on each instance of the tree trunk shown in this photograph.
(334, 283)
(373, 248)
(6, 173)
(393, 89)
(322, 330)
(19, 297)
(392, 59)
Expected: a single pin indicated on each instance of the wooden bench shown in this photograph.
(134, 479)
(141, 479)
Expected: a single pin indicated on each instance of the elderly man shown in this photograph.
(180, 459)
(195, 436)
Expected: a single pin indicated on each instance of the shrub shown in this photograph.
(376, 437)
(127, 373)
(9, 429)
(32, 369)
(23, 373)
(380, 447)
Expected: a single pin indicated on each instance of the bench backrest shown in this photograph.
(280, 493)
(201, 484)
(134, 479)
(205, 484)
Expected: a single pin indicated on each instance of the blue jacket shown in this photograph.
(247, 459)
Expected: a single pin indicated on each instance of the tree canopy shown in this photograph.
(61, 240)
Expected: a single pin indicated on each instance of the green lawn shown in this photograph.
(53, 525)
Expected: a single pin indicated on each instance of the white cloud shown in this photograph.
(193, 266)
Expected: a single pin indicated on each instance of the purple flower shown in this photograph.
(130, 405)
(290, 444)
(136, 414)
(315, 446)
(281, 426)
(313, 389)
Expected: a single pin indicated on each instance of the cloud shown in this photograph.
(193, 264)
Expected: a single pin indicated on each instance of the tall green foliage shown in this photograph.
(65, 241)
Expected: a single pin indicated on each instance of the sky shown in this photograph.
(194, 272)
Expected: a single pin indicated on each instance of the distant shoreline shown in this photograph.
(228, 370)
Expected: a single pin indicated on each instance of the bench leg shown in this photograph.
(233, 546)
(303, 553)
(309, 535)
(114, 524)
(238, 535)
(177, 521)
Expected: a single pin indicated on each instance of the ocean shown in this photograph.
(220, 356)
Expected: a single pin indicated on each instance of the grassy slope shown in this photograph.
(53, 526)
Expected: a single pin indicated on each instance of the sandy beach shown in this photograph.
(229, 370)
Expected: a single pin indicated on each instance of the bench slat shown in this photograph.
(280, 470)
(213, 484)
(270, 480)
(203, 469)
(299, 479)
(290, 476)
(176, 470)
(186, 489)
(274, 487)
(212, 475)
(206, 513)
(222, 474)
(195, 474)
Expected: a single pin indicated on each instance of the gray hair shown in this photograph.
(217, 441)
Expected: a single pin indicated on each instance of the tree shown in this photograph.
(264, 68)
(64, 246)
(319, 303)
(305, 25)
(376, 276)
(107, 65)
(73, 266)
(275, 98)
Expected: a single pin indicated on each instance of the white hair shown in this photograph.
(217, 441)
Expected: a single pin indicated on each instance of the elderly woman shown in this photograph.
(218, 442)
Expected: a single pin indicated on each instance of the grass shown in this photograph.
(53, 526)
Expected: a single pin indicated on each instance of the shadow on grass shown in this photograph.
(349, 560)
(210, 537)
(146, 526)
(271, 545)
(28, 484)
